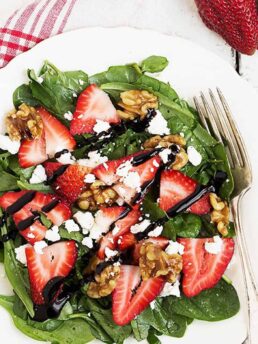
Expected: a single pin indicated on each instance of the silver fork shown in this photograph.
(217, 118)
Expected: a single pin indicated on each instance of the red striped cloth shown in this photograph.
(32, 24)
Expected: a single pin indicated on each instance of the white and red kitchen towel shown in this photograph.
(32, 24)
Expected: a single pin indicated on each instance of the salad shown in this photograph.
(114, 208)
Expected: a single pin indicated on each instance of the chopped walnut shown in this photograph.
(220, 214)
(104, 283)
(165, 141)
(155, 262)
(91, 267)
(135, 103)
(98, 194)
(25, 123)
(180, 161)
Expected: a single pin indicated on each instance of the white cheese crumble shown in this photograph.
(165, 154)
(175, 247)
(115, 230)
(39, 245)
(214, 247)
(68, 115)
(85, 220)
(40, 79)
(156, 232)
(101, 126)
(110, 253)
(140, 227)
(89, 178)
(87, 241)
(94, 160)
(71, 226)
(100, 226)
(66, 159)
(158, 125)
(194, 156)
(38, 175)
(155, 163)
(7, 144)
(52, 234)
(123, 169)
(153, 304)
(128, 177)
(31, 235)
(20, 254)
(171, 289)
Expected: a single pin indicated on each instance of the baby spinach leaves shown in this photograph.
(154, 64)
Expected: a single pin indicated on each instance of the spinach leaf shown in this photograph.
(72, 331)
(14, 166)
(104, 318)
(23, 185)
(23, 94)
(152, 337)
(77, 236)
(153, 64)
(152, 208)
(163, 319)
(140, 328)
(218, 303)
(8, 181)
(16, 274)
(187, 225)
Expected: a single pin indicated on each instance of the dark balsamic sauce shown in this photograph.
(50, 206)
(20, 203)
(58, 154)
(139, 125)
(57, 174)
(23, 224)
(11, 235)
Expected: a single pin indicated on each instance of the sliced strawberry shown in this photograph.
(57, 260)
(126, 241)
(201, 207)
(92, 104)
(175, 187)
(160, 241)
(36, 232)
(120, 228)
(57, 135)
(32, 152)
(201, 269)
(70, 184)
(128, 303)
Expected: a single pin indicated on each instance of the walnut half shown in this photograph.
(25, 123)
(135, 103)
(220, 214)
(104, 283)
(155, 262)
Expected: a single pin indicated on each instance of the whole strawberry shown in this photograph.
(235, 20)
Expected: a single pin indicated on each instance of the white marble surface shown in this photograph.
(177, 17)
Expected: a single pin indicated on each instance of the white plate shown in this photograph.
(191, 69)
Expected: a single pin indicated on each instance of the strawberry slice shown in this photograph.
(175, 187)
(57, 135)
(57, 260)
(126, 241)
(36, 232)
(201, 269)
(92, 104)
(121, 227)
(70, 184)
(32, 152)
(159, 241)
(128, 303)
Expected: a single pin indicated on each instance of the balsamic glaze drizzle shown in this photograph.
(51, 205)
(58, 154)
(20, 203)
(56, 174)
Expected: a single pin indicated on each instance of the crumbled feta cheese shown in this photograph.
(87, 241)
(171, 289)
(101, 126)
(40, 79)
(156, 232)
(31, 235)
(158, 125)
(52, 234)
(74, 95)
(165, 154)
(38, 175)
(133, 180)
(123, 169)
(94, 160)
(7, 144)
(120, 201)
(140, 227)
(110, 253)
(182, 134)
(39, 245)
(117, 264)
(115, 230)
(85, 220)
(153, 304)
(194, 156)
(155, 163)
(100, 226)
(175, 247)
(20, 253)
(89, 178)
(68, 115)
(71, 226)
(66, 159)
(214, 247)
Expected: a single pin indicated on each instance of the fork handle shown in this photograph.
(244, 258)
